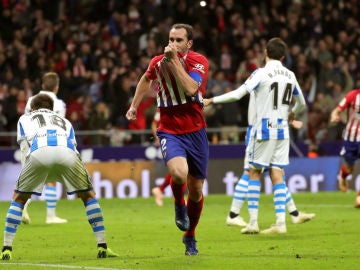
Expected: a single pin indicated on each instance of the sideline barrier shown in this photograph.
(130, 179)
(129, 172)
(150, 152)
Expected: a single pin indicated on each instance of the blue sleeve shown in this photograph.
(196, 77)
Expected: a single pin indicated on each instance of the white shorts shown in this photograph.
(53, 163)
(263, 154)
(247, 139)
(246, 159)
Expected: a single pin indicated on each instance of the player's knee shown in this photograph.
(195, 194)
(86, 195)
(20, 197)
(179, 175)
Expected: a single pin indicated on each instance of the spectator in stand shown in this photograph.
(62, 62)
(34, 39)
(79, 69)
(21, 102)
(140, 123)
(75, 110)
(99, 121)
(247, 66)
(314, 150)
(229, 117)
(219, 83)
(95, 92)
(3, 122)
(10, 109)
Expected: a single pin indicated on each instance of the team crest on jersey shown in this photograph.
(199, 67)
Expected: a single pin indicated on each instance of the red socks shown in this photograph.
(178, 192)
(194, 210)
(344, 172)
(167, 180)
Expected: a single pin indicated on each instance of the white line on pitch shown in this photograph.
(61, 266)
(325, 205)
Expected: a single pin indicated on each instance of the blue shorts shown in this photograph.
(350, 151)
(192, 146)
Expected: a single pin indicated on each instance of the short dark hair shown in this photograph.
(276, 48)
(42, 101)
(189, 29)
(50, 81)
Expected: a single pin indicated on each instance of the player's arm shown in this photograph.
(299, 106)
(23, 143)
(190, 86)
(247, 87)
(228, 97)
(189, 83)
(62, 111)
(27, 106)
(141, 89)
(335, 115)
(153, 129)
(300, 102)
(24, 149)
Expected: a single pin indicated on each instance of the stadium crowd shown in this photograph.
(100, 49)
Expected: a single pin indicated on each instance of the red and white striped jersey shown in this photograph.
(179, 113)
(351, 102)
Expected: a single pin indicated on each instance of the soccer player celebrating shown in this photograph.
(351, 137)
(48, 151)
(181, 75)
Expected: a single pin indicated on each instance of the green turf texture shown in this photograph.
(146, 237)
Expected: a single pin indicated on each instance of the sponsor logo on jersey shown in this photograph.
(276, 125)
(199, 67)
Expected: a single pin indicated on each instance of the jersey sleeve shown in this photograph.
(198, 69)
(231, 96)
(27, 106)
(150, 71)
(20, 131)
(346, 101)
(299, 97)
(60, 107)
(253, 81)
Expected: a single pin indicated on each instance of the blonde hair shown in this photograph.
(50, 81)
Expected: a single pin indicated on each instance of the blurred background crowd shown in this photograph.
(100, 48)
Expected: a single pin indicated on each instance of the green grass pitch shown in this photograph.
(146, 237)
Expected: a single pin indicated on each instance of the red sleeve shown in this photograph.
(349, 98)
(150, 72)
(197, 63)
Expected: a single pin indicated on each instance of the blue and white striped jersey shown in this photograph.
(59, 105)
(272, 89)
(42, 128)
